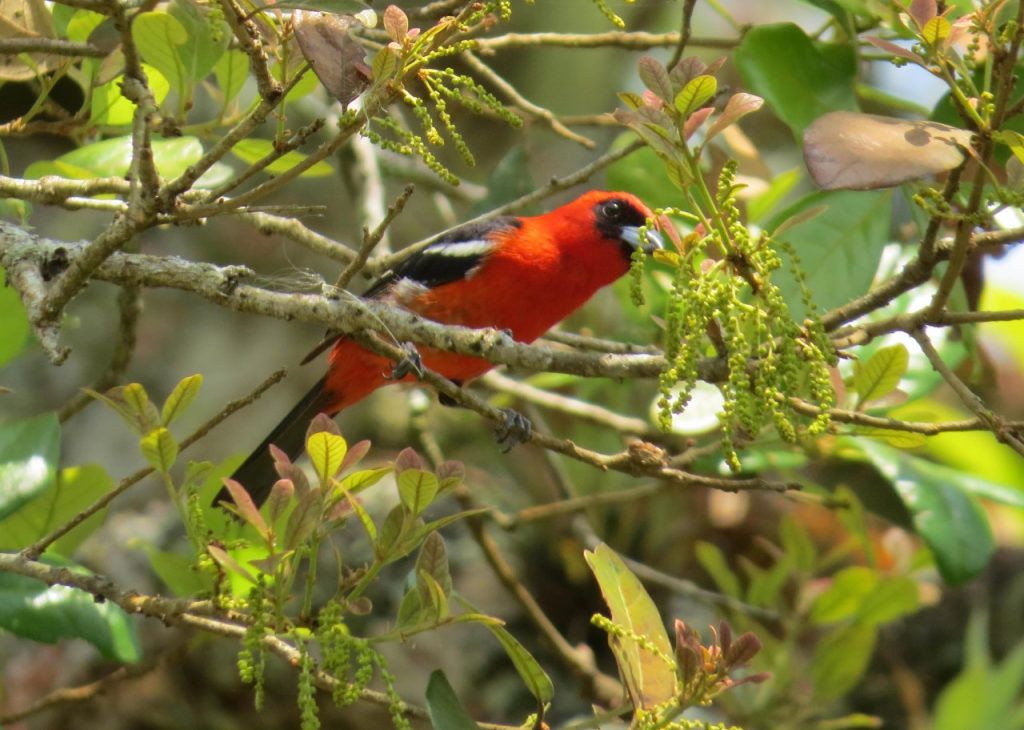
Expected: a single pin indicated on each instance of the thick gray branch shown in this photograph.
(229, 286)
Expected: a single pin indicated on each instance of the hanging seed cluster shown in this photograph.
(729, 307)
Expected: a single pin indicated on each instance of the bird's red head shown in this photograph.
(602, 217)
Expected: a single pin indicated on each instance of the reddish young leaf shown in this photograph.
(738, 106)
(280, 495)
(408, 459)
(322, 422)
(922, 11)
(695, 120)
(894, 49)
(396, 23)
(245, 507)
(355, 454)
(655, 77)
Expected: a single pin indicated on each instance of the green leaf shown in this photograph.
(230, 563)
(132, 404)
(893, 437)
(796, 543)
(713, 561)
(949, 519)
(766, 585)
(446, 711)
(74, 489)
(391, 532)
(983, 695)
(176, 570)
(253, 150)
(83, 23)
(110, 107)
(936, 30)
(800, 79)
(180, 398)
(357, 481)
(649, 680)
(231, 70)
(326, 452)
(839, 249)
(112, 157)
(412, 538)
(535, 678)
(29, 452)
(417, 489)
(135, 398)
(47, 614)
(881, 374)
(894, 596)
(159, 37)
(695, 94)
(843, 597)
(364, 518)
(207, 37)
(14, 327)
(410, 610)
(1013, 140)
(159, 449)
(841, 659)
(433, 599)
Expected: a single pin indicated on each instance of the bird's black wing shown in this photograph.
(450, 258)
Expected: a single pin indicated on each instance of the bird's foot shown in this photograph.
(516, 429)
(410, 364)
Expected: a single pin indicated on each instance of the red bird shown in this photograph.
(523, 275)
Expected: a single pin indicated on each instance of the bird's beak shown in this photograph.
(631, 235)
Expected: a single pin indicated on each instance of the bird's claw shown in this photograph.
(410, 364)
(516, 429)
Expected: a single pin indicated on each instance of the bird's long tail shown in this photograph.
(257, 473)
(354, 373)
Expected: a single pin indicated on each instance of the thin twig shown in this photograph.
(601, 687)
(372, 238)
(92, 690)
(521, 102)
(279, 150)
(129, 307)
(1000, 429)
(247, 33)
(53, 46)
(571, 406)
(631, 40)
(298, 232)
(685, 33)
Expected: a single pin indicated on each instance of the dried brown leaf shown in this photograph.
(853, 151)
(336, 57)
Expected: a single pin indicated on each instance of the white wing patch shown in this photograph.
(469, 249)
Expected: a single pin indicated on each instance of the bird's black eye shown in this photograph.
(613, 210)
